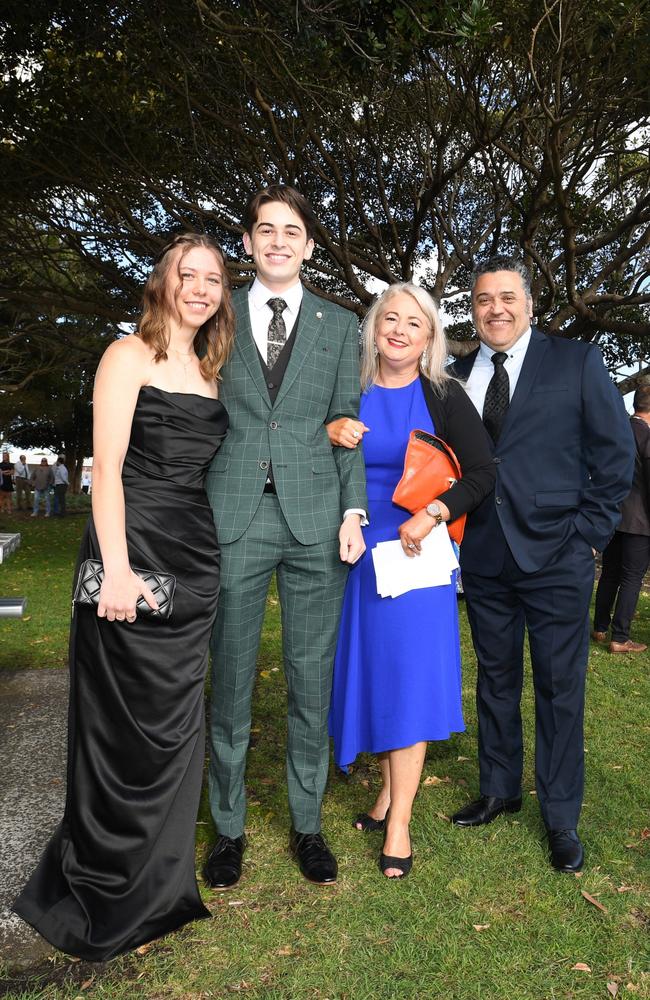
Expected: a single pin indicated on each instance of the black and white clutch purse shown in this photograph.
(162, 585)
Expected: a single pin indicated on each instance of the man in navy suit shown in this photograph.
(564, 457)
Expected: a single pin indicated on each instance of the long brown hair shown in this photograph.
(213, 341)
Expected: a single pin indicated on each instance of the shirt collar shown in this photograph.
(259, 295)
(518, 348)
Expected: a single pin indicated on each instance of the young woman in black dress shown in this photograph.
(120, 868)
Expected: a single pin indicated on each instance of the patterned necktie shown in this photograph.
(277, 335)
(497, 397)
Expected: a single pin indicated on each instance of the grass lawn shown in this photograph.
(481, 917)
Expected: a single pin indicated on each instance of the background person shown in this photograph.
(42, 479)
(282, 503)
(626, 558)
(61, 481)
(120, 869)
(397, 673)
(564, 455)
(21, 482)
(6, 484)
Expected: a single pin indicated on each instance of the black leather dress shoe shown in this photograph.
(567, 853)
(484, 810)
(223, 867)
(315, 860)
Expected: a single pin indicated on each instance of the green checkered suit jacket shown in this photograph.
(315, 483)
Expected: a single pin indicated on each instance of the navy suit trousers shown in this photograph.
(553, 605)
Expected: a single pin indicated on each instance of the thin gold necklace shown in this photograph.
(185, 364)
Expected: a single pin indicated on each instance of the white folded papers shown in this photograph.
(396, 573)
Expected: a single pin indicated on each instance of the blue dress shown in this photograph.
(397, 676)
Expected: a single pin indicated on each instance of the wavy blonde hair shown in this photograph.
(436, 352)
(214, 339)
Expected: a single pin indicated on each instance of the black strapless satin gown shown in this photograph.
(120, 869)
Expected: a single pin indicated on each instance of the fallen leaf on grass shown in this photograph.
(594, 902)
(617, 767)
(435, 780)
(532, 792)
(645, 833)
(235, 902)
(442, 816)
(581, 967)
(462, 758)
(144, 948)
(625, 888)
(265, 673)
(612, 989)
(287, 950)
(86, 983)
(480, 927)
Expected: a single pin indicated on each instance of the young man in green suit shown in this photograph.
(284, 501)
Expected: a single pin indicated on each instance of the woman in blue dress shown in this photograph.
(397, 674)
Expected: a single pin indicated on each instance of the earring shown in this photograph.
(375, 350)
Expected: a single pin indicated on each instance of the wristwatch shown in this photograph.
(433, 510)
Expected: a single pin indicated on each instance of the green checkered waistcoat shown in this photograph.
(315, 483)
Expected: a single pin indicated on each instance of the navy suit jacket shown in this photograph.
(564, 460)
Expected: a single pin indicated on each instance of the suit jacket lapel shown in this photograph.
(536, 350)
(245, 344)
(310, 325)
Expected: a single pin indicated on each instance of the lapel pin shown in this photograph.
(319, 315)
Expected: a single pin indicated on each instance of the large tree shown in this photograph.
(53, 412)
(425, 136)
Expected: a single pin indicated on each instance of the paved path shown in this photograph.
(33, 722)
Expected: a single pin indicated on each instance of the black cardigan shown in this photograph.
(457, 422)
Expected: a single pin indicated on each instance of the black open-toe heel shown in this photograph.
(386, 861)
(404, 865)
(368, 823)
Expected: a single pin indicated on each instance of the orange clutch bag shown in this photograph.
(430, 468)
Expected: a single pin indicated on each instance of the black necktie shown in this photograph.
(277, 335)
(497, 397)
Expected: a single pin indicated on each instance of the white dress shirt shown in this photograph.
(483, 369)
(261, 314)
(21, 470)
